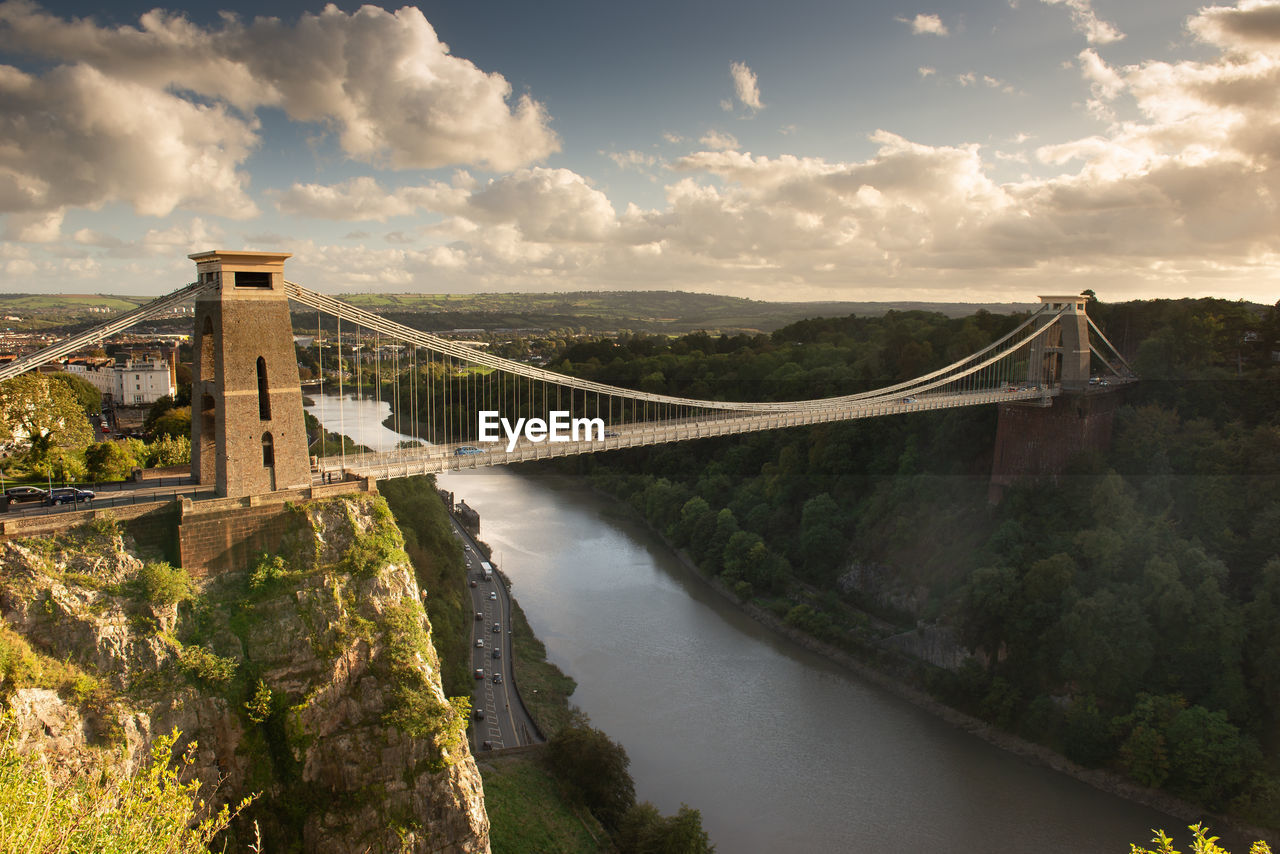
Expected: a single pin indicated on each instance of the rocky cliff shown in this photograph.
(308, 677)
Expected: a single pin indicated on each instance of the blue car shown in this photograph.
(467, 450)
(69, 495)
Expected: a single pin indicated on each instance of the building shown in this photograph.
(140, 380)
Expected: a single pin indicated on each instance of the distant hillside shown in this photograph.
(596, 311)
(647, 311)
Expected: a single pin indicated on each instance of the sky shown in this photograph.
(954, 150)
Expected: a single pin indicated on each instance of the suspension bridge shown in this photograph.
(248, 435)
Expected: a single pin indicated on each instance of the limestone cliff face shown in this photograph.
(312, 681)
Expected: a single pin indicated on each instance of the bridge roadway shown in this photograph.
(429, 459)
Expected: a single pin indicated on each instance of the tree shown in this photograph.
(173, 423)
(644, 830)
(1261, 616)
(108, 461)
(160, 407)
(169, 451)
(88, 395)
(594, 767)
(39, 415)
(1209, 758)
(1201, 843)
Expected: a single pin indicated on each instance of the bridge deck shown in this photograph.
(431, 459)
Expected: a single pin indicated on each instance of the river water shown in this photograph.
(781, 750)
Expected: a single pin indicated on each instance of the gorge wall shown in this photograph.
(308, 678)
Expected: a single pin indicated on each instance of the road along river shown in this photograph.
(780, 749)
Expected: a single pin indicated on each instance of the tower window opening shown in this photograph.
(264, 396)
(268, 450)
(252, 280)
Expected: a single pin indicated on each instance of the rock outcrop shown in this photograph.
(310, 680)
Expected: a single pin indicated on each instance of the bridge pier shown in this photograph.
(1036, 441)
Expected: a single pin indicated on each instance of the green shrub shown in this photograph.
(206, 666)
(163, 584)
(376, 547)
(267, 570)
(259, 705)
(169, 451)
(148, 811)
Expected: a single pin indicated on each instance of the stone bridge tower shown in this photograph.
(247, 432)
(1061, 356)
(1038, 441)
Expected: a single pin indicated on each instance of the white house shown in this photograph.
(135, 382)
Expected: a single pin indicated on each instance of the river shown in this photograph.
(781, 750)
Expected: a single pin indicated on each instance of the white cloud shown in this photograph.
(631, 159)
(536, 204)
(76, 137)
(1180, 196)
(926, 25)
(1252, 25)
(363, 198)
(34, 226)
(926, 71)
(1087, 22)
(161, 115)
(745, 86)
(718, 141)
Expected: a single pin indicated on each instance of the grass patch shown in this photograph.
(527, 814)
(544, 688)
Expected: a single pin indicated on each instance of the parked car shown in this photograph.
(69, 495)
(25, 493)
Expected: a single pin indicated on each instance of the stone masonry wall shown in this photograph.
(1032, 441)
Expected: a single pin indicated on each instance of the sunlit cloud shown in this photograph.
(1087, 22)
(926, 25)
(746, 88)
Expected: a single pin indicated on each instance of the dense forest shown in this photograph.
(1124, 613)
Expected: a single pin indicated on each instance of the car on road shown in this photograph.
(611, 434)
(493, 594)
(466, 450)
(69, 495)
(486, 745)
(478, 714)
(473, 582)
(479, 672)
(25, 493)
(497, 653)
(479, 643)
(497, 679)
(497, 627)
(479, 616)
